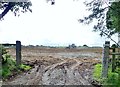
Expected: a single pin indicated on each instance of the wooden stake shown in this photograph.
(105, 59)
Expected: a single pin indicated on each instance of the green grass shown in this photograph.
(97, 72)
(10, 68)
(113, 77)
(24, 67)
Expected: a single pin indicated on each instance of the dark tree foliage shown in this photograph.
(101, 13)
(113, 17)
(52, 2)
(15, 7)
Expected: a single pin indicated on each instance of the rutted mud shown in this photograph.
(58, 69)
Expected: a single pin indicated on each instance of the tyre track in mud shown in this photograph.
(52, 68)
(65, 72)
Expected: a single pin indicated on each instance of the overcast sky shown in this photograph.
(55, 25)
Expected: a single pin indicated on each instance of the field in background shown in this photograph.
(30, 53)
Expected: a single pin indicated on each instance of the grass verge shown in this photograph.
(10, 69)
(112, 80)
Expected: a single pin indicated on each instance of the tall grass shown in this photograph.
(112, 80)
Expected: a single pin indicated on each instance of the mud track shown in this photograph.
(58, 70)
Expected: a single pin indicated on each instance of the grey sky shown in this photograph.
(50, 25)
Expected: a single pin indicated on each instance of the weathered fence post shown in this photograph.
(105, 59)
(113, 60)
(18, 52)
(0, 62)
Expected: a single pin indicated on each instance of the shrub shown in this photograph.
(9, 66)
(3, 52)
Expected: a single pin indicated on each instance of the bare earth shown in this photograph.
(57, 66)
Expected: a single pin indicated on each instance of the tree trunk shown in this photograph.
(9, 6)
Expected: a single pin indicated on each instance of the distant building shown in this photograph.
(71, 46)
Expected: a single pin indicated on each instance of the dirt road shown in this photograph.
(57, 67)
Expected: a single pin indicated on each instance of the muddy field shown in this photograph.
(57, 66)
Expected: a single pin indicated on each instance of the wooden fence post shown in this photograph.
(0, 62)
(105, 59)
(18, 52)
(113, 60)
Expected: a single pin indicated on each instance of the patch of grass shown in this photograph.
(97, 71)
(113, 77)
(9, 68)
(24, 67)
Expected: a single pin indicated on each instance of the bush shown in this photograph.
(114, 46)
(113, 77)
(85, 45)
(9, 66)
(3, 52)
